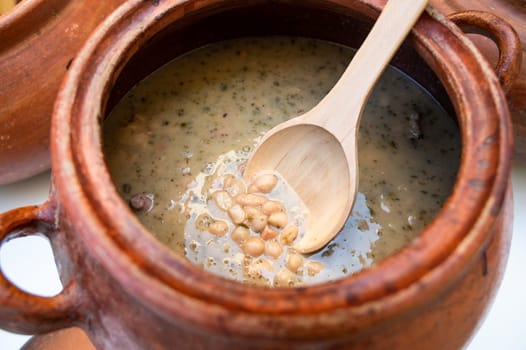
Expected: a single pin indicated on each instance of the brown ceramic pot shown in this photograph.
(38, 41)
(128, 291)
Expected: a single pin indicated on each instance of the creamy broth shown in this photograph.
(202, 113)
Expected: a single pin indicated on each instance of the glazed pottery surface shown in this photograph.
(127, 291)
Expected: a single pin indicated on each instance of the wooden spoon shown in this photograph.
(316, 152)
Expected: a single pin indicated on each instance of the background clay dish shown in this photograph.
(38, 42)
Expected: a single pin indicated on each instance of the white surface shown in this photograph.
(30, 263)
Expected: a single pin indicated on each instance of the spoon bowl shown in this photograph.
(316, 153)
(320, 171)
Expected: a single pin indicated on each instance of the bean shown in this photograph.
(284, 278)
(240, 234)
(203, 221)
(314, 267)
(270, 207)
(289, 234)
(294, 262)
(278, 219)
(256, 219)
(222, 199)
(233, 185)
(252, 212)
(273, 249)
(264, 183)
(253, 246)
(237, 214)
(250, 199)
(258, 223)
(218, 228)
(268, 233)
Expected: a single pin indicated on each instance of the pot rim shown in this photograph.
(115, 237)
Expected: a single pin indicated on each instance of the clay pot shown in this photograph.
(513, 12)
(38, 41)
(128, 291)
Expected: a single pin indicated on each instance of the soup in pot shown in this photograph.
(176, 144)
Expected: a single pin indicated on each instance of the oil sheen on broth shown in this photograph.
(200, 115)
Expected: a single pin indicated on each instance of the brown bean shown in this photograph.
(255, 219)
(278, 219)
(250, 199)
(203, 221)
(294, 261)
(258, 223)
(270, 207)
(218, 228)
(240, 234)
(252, 212)
(268, 233)
(222, 199)
(237, 214)
(273, 249)
(253, 246)
(233, 185)
(289, 234)
(264, 183)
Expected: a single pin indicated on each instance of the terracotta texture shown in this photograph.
(127, 291)
(513, 12)
(38, 41)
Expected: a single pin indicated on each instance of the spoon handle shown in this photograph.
(340, 112)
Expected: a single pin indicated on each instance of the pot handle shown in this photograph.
(502, 33)
(22, 312)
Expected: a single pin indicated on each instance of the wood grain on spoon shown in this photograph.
(317, 152)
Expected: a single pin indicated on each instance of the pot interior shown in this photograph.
(333, 24)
